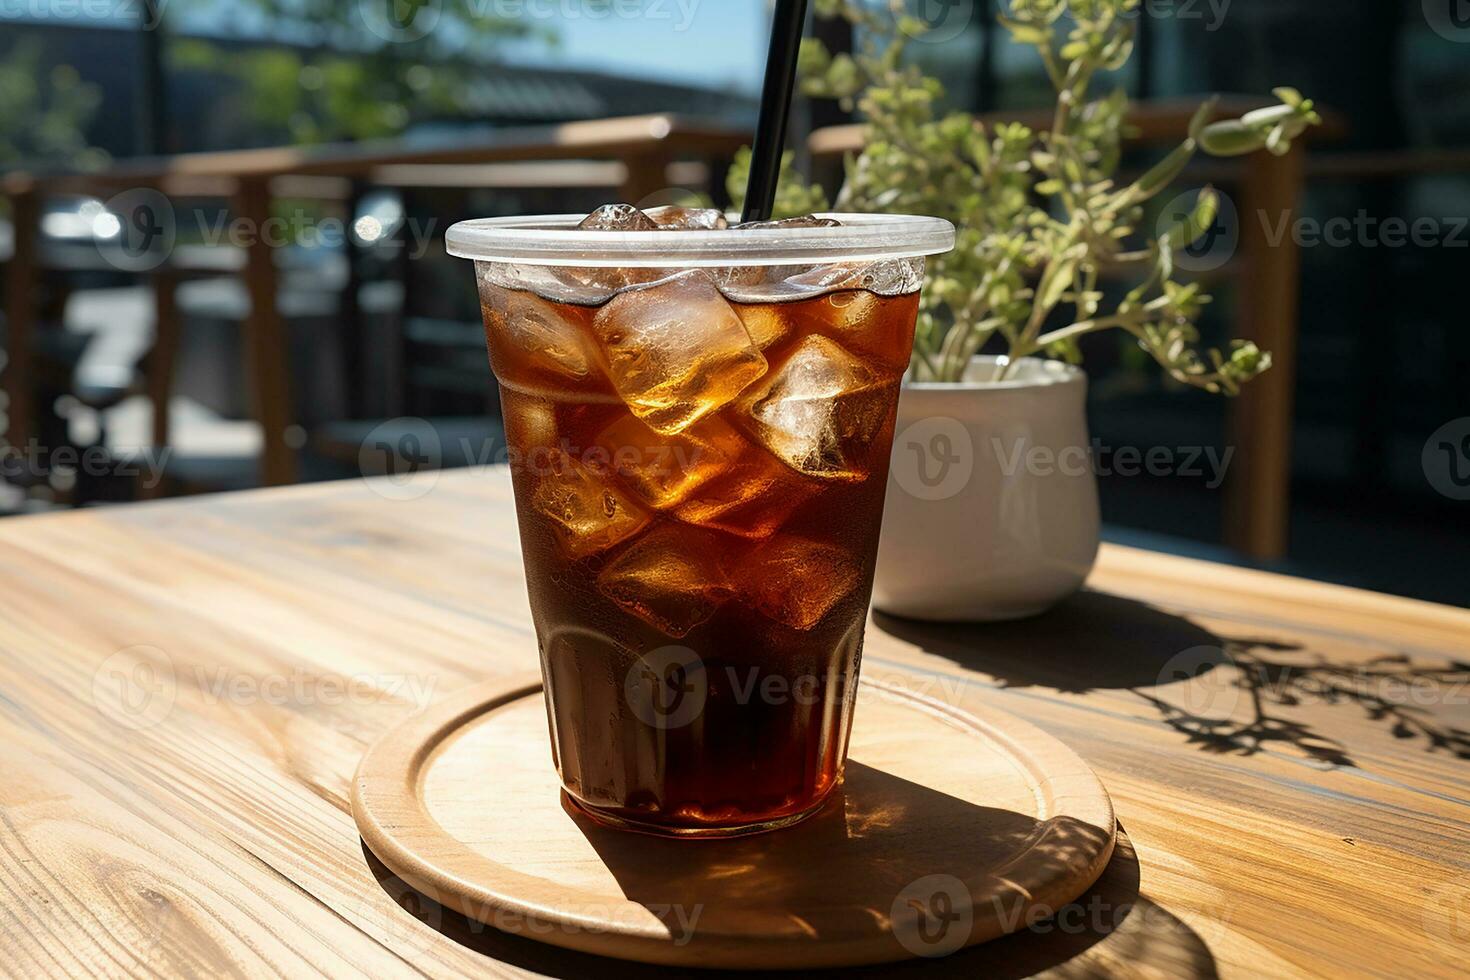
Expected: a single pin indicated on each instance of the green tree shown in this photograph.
(44, 114)
(358, 70)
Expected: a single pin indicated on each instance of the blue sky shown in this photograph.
(714, 43)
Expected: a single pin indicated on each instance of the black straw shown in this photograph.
(770, 130)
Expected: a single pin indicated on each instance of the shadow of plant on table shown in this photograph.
(1227, 694)
(1259, 680)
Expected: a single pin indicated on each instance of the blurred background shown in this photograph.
(235, 211)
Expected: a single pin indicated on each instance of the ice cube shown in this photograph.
(588, 512)
(617, 217)
(852, 313)
(805, 221)
(764, 322)
(752, 495)
(838, 276)
(875, 327)
(611, 217)
(665, 469)
(895, 277)
(676, 351)
(710, 474)
(797, 581)
(735, 280)
(819, 410)
(837, 301)
(671, 578)
(536, 330)
(856, 319)
(540, 280)
(605, 280)
(671, 217)
(530, 421)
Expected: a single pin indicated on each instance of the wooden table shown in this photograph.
(1301, 808)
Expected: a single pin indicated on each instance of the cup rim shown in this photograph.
(553, 239)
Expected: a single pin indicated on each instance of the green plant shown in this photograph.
(1040, 216)
(345, 81)
(44, 114)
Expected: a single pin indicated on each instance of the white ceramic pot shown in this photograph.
(992, 510)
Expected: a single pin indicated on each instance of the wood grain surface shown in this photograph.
(186, 689)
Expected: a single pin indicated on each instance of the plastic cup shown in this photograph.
(698, 428)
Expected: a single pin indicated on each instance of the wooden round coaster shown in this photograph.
(953, 826)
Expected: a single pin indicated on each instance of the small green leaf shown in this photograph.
(912, 26)
(1188, 229)
(1290, 96)
(1269, 116)
(813, 57)
(1201, 117)
(1065, 349)
(843, 76)
(1230, 138)
(1026, 33)
(1055, 283)
(1163, 173)
(1277, 141)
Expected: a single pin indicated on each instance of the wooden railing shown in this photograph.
(638, 152)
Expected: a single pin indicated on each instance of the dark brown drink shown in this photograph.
(699, 480)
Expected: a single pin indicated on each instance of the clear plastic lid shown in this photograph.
(554, 239)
